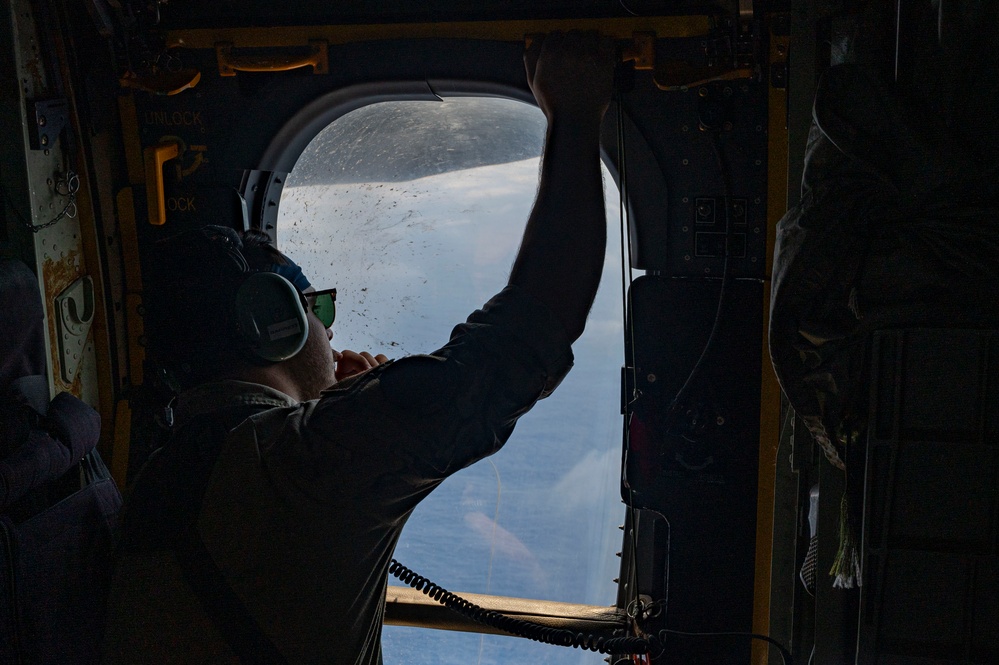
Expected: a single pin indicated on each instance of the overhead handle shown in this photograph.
(230, 63)
(639, 49)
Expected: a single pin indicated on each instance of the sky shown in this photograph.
(410, 259)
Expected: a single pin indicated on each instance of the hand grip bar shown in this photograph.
(230, 63)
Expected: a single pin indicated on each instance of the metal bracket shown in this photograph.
(261, 191)
(74, 315)
(49, 117)
(641, 50)
(728, 56)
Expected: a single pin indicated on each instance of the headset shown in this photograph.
(266, 310)
(269, 316)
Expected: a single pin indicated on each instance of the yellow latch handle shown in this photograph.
(154, 157)
(229, 64)
(639, 49)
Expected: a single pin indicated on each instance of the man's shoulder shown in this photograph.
(221, 396)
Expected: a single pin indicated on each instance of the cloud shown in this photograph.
(504, 545)
(583, 487)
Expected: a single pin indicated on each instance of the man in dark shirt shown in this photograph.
(263, 530)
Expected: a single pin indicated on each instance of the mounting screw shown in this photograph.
(727, 126)
(42, 121)
(651, 378)
(720, 420)
(703, 92)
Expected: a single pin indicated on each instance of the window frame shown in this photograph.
(262, 188)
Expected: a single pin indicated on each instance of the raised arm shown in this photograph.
(562, 253)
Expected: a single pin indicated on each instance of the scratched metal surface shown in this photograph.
(58, 248)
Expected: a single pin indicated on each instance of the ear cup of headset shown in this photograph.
(270, 318)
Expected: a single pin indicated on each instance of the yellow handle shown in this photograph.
(229, 63)
(639, 49)
(154, 157)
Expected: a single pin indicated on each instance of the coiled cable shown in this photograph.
(648, 644)
(532, 631)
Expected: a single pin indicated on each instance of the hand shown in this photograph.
(571, 73)
(351, 363)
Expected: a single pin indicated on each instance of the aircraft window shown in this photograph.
(414, 211)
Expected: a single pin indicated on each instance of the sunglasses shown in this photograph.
(322, 304)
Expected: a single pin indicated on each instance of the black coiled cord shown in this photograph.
(650, 644)
(532, 631)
